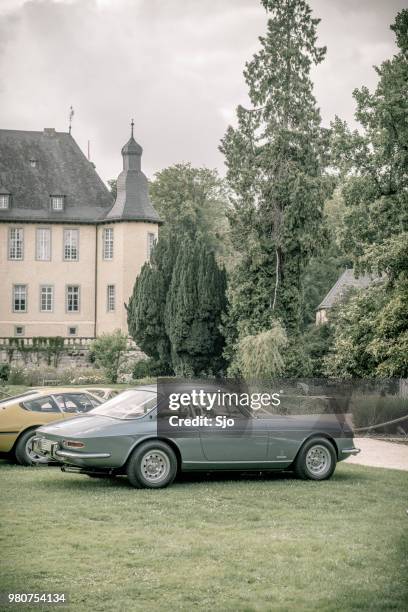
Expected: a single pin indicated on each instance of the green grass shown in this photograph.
(227, 543)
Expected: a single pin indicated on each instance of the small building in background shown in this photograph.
(348, 280)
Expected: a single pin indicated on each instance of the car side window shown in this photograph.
(42, 404)
(79, 402)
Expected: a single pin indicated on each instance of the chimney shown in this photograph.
(49, 131)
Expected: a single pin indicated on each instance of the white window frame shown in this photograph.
(57, 202)
(23, 290)
(107, 247)
(16, 244)
(70, 243)
(16, 327)
(4, 201)
(47, 291)
(43, 246)
(68, 290)
(151, 241)
(110, 298)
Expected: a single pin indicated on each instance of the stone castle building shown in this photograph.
(69, 253)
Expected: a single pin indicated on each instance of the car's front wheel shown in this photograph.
(24, 452)
(152, 465)
(316, 460)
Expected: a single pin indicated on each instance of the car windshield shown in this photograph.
(128, 405)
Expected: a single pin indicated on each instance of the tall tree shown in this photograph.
(192, 204)
(275, 159)
(371, 330)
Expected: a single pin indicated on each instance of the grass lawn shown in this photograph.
(224, 543)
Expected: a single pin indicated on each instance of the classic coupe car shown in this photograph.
(21, 415)
(122, 437)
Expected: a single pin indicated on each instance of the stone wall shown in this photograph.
(73, 354)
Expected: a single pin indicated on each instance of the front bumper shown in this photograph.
(48, 448)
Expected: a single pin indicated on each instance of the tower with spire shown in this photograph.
(131, 227)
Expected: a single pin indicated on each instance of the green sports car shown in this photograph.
(123, 436)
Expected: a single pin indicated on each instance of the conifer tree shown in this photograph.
(275, 160)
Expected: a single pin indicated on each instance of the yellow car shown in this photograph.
(21, 415)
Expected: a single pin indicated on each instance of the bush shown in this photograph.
(368, 411)
(4, 372)
(261, 356)
(146, 368)
(107, 350)
(17, 376)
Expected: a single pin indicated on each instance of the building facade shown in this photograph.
(69, 253)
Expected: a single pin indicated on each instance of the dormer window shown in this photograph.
(34, 163)
(4, 201)
(57, 202)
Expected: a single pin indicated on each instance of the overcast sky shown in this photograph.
(173, 65)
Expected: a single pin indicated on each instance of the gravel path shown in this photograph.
(376, 453)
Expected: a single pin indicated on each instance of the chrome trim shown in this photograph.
(70, 454)
(351, 451)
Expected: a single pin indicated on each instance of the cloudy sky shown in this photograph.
(173, 65)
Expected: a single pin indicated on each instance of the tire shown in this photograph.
(316, 460)
(152, 465)
(22, 453)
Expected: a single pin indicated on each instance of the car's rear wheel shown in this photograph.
(152, 465)
(316, 460)
(24, 452)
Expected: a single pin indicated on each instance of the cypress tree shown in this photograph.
(195, 303)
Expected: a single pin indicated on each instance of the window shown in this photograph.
(110, 298)
(16, 243)
(4, 201)
(43, 244)
(72, 331)
(72, 298)
(43, 404)
(71, 243)
(108, 243)
(46, 298)
(20, 298)
(19, 330)
(151, 239)
(57, 202)
(76, 402)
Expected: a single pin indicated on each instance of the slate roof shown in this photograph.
(62, 169)
(346, 281)
(132, 200)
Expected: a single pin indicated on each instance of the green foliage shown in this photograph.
(275, 161)
(371, 328)
(317, 341)
(175, 310)
(192, 202)
(145, 368)
(373, 163)
(371, 334)
(4, 372)
(194, 306)
(373, 410)
(145, 311)
(260, 356)
(108, 350)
